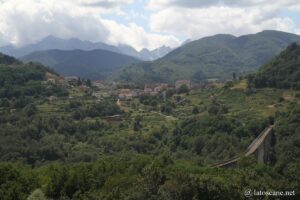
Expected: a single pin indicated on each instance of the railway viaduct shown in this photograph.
(260, 147)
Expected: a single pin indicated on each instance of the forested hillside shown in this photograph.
(283, 71)
(20, 82)
(7, 60)
(218, 56)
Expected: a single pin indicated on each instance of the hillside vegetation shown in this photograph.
(22, 82)
(161, 147)
(212, 57)
(7, 60)
(281, 72)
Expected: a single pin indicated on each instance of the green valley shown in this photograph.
(63, 138)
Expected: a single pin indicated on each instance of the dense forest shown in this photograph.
(164, 147)
(282, 72)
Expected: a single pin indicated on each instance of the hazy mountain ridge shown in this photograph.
(146, 54)
(94, 64)
(51, 42)
(211, 57)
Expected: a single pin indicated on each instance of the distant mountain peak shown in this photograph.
(271, 31)
(155, 53)
(221, 37)
(144, 50)
(50, 37)
(164, 47)
(186, 42)
(53, 42)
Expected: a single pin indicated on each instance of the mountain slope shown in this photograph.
(7, 60)
(211, 57)
(95, 64)
(52, 42)
(281, 72)
(21, 83)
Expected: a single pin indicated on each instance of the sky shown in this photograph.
(142, 23)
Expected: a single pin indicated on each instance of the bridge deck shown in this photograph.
(251, 148)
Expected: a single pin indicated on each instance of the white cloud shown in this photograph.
(24, 22)
(196, 19)
(105, 3)
(27, 21)
(3, 41)
(134, 34)
(158, 4)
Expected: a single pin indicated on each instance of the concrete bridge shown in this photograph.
(260, 147)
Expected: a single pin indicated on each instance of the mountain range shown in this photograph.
(93, 64)
(51, 42)
(74, 57)
(215, 57)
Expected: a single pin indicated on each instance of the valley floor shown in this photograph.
(149, 147)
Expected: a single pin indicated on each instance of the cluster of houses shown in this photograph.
(61, 80)
(148, 90)
(180, 83)
(99, 84)
(106, 90)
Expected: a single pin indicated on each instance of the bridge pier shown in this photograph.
(263, 151)
(260, 148)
